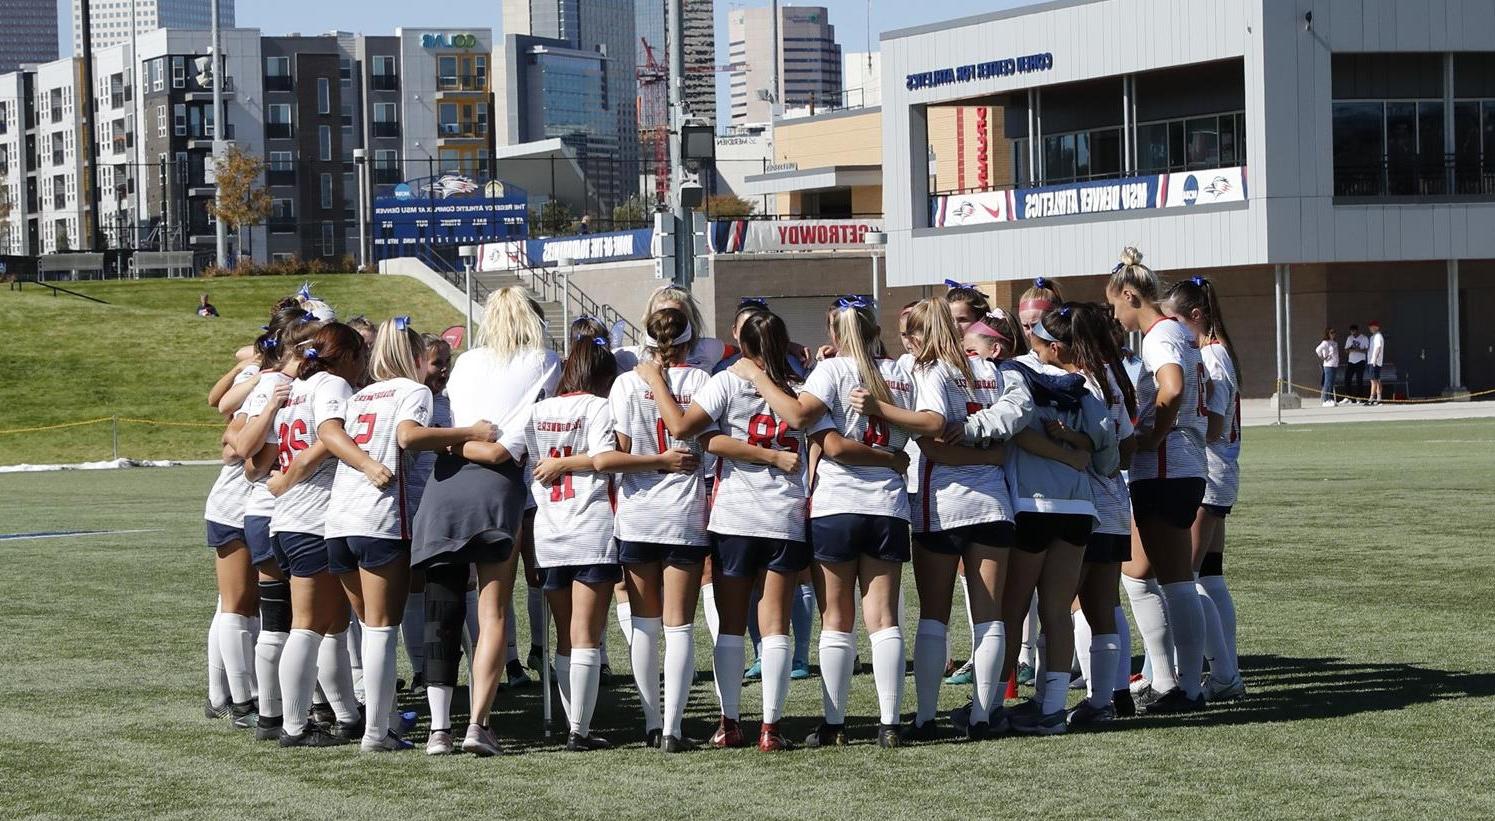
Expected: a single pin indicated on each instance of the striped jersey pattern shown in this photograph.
(952, 496)
(230, 492)
(375, 413)
(842, 488)
(1181, 454)
(303, 507)
(661, 508)
(574, 517)
(751, 499)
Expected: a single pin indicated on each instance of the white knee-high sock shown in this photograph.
(679, 671)
(887, 671)
(1123, 678)
(254, 637)
(1055, 691)
(355, 654)
(986, 669)
(511, 634)
(535, 602)
(585, 675)
(439, 696)
(1082, 644)
(267, 652)
(413, 631)
(336, 676)
(236, 645)
(563, 685)
(728, 656)
(708, 607)
(218, 692)
(644, 650)
(776, 657)
(379, 647)
(298, 675)
(1151, 615)
(1186, 616)
(1104, 650)
(625, 621)
(837, 655)
(931, 648)
(1214, 640)
(1225, 661)
(1030, 654)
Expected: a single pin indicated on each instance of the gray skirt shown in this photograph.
(469, 513)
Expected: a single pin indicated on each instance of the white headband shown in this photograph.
(687, 335)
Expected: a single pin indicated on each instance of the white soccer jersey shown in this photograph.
(659, 508)
(303, 507)
(574, 517)
(751, 499)
(1181, 454)
(356, 507)
(952, 496)
(915, 454)
(852, 488)
(425, 461)
(1113, 503)
(1225, 400)
(260, 502)
(230, 493)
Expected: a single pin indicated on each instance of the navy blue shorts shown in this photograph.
(1036, 531)
(846, 537)
(221, 535)
(560, 578)
(1373, 371)
(744, 557)
(680, 555)
(1218, 511)
(303, 555)
(346, 554)
(956, 541)
(257, 536)
(1108, 548)
(1175, 501)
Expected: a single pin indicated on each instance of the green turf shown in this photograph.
(147, 355)
(1359, 557)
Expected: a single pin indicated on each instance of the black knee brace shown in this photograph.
(446, 612)
(275, 607)
(1213, 565)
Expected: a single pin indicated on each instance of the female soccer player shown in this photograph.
(471, 510)
(661, 525)
(964, 514)
(1043, 295)
(437, 366)
(859, 512)
(368, 526)
(573, 525)
(757, 521)
(967, 304)
(1196, 304)
(702, 352)
(1167, 486)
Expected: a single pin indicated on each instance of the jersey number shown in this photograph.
(366, 422)
(662, 435)
(562, 490)
(877, 433)
(292, 438)
(764, 431)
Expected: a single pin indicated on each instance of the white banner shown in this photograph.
(759, 236)
(501, 256)
(1205, 187)
(981, 208)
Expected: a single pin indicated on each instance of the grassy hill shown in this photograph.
(148, 355)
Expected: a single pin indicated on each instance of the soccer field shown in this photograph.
(1359, 558)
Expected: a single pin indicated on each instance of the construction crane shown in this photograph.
(654, 118)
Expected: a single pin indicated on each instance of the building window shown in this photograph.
(158, 74)
(179, 120)
(329, 239)
(345, 70)
(446, 72)
(326, 191)
(278, 120)
(178, 72)
(161, 121)
(1388, 125)
(324, 95)
(324, 142)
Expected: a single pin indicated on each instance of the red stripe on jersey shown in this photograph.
(1160, 320)
(612, 494)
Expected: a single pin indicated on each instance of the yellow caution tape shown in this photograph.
(101, 420)
(1434, 401)
(58, 427)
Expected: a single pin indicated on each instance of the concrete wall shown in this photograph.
(854, 138)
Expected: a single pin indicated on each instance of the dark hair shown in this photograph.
(765, 338)
(271, 344)
(590, 366)
(283, 303)
(664, 327)
(1086, 328)
(970, 296)
(1198, 293)
(360, 323)
(333, 345)
(429, 339)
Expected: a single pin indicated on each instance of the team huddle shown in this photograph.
(372, 489)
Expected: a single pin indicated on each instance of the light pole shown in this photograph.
(566, 264)
(216, 53)
(468, 254)
(875, 240)
(360, 159)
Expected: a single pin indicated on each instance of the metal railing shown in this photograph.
(385, 129)
(553, 286)
(277, 131)
(1460, 175)
(469, 129)
(462, 82)
(279, 82)
(384, 82)
(281, 176)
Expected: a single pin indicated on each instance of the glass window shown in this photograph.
(1082, 155)
(1430, 131)
(446, 68)
(324, 95)
(282, 160)
(1152, 147)
(277, 66)
(384, 66)
(1177, 159)
(329, 239)
(385, 113)
(326, 190)
(1227, 140)
(279, 114)
(1359, 146)
(178, 72)
(1202, 138)
(324, 142)
(1105, 152)
(179, 120)
(1401, 130)
(1058, 158)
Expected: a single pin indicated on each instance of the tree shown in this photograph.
(553, 219)
(632, 213)
(727, 206)
(242, 202)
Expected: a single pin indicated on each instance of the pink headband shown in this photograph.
(983, 329)
(1035, 305)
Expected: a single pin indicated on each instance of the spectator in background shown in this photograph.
(205, 308)
(1328, 354)
(1355, 348)
(586, 224)
(1375, 359)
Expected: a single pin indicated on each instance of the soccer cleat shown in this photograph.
(535, 659)
(406, 722)
(267, 728)
(960, 717)
(1174, 702)
(480, 741)
(728, 735)
(1025, 673)
(755, 672)
(246, 715)
(350, 731)
(676, 744)
(770, 740)
(653, 737)
(313, 736)
(963, 675)
(321, 713)
(1086, 714)
(418, 684)
(1138, 684)
(1327, 403)
(979, 731)
(605, 676)
(518, 678)
(213, 712)
(1224, 691)
(1036, 722)
(800, 671)
(928, 731)
(1146, 697)
(389, 744)
(1122, 701)
(827, 735)
(889, 736)
(576, 742)
(439, 743)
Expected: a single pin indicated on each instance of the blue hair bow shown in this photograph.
(311, 353)
(305, 293)
(1064, 312)
(847, 303)
(1118, 267)
(402, 323)
(952, 284)
(271, 343)
(599, 342)
(1198, 281)
(264, 327)
(1040, 282)
(755, 300)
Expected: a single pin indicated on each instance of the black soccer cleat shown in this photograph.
(213, 712)
(653, 737)
(889, 736)
(827, 735)
(577, 743)
(321, 713)
(978, 731)
(676, 744)
(1174, 702)
(267, 728)
(313, 736)
(245, 716)
(928, 731)
(1125, 706)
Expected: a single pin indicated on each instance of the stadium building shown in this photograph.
(1342, 154)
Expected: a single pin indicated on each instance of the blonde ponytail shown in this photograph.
(858, 338)
(397, 351)
(511, 324)
(932, 321)
(1130, 273)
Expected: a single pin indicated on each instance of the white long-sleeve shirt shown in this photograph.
(1328, 353)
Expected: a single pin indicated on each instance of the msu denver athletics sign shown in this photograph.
(980, 71)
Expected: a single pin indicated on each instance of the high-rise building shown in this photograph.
(111, 18)
(28, 33)
(861, 79)
(809, 64)
(604, 28)
(651, 24)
